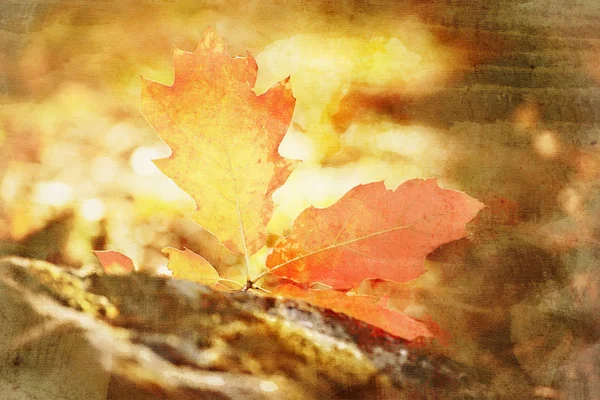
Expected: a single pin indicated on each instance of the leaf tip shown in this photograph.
(177, 51)
(212, 41)
(145, 82)
(167, 251)
(286, 83)
(114, 262)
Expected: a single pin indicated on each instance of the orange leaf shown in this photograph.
(114, 262)
(191, 266)
(224, 140)
(365, 308)
(372, 233)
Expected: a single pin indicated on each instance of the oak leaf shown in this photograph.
(224, 140)
(372, 233)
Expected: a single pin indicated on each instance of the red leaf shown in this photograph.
(114, 262)
(365, 308)
(373, 233)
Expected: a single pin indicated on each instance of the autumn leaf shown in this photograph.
(372, 233)
(114, 262)
(365, 308)
(188, 265)
(224, 140)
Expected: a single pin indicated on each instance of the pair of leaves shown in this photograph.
(224, 140)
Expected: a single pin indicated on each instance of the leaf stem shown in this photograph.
(224, 286)
(270, 270)
(262, 289)
(246, 256)
(230, 281)
(249, 285)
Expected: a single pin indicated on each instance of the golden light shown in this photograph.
(325, 69)
(104, 169)
(570, 201)
(268, 386)
(546, 144)
(162, 269)
(297, 146)
(53, 193)
(93, 209)
(141, 160)
(213, 380)
(9, 188)
(415, 142)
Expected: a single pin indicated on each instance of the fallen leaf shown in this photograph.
(365, 308)
(114, 262)
(224, 140)
(188, 265)
(372, 233)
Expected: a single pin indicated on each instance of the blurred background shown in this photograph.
(499, 99)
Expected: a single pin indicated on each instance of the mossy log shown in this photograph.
(72, 335)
